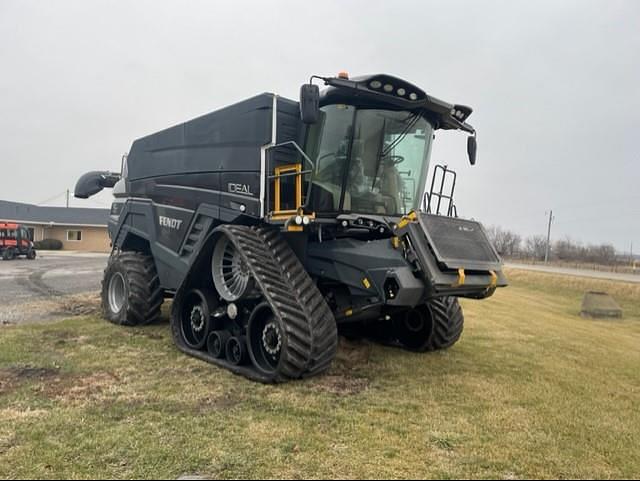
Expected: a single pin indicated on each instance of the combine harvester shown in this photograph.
(274, 223)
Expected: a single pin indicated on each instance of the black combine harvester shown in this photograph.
(274, 224)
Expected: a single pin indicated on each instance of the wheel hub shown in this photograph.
(117, 292)
(414, 321)
(272, 339)
(197, 319)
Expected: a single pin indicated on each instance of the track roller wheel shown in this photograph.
(217, 343)
(195, 317)
(237, 350)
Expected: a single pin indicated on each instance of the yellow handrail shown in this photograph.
(278, 171)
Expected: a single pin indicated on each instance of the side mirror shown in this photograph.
(472, 148)
(309, 103)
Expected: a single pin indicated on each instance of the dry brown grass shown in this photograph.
(532, 390)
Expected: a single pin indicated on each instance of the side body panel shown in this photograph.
(183, 181)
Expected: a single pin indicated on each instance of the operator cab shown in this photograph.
(369, 141)
(368, 160)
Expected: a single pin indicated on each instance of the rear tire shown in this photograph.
(448, 323)
(9, 254)
(131, 292)
(31, 255)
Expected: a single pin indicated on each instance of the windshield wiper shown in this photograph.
(412, 119)
(402, 135)
(379, 152)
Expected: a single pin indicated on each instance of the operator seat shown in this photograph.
(391, 187)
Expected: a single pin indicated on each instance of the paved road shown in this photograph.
(24, 284)
(613, 276)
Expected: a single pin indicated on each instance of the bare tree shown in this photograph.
(510, 244)
(567, 250)
(506, 242)
(602, 254)
(536, 247)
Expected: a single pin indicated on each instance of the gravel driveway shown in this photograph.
(53, 285)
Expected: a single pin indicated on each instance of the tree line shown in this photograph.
(513, 245)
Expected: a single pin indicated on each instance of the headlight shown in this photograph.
(375, 84)
(413, 96)
(388, 88)
(401, 92)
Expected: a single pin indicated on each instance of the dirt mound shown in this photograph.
(79, 305)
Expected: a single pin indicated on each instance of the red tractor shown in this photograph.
(15, 241)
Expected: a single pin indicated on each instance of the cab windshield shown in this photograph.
(368, 161)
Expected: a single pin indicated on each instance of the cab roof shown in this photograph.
(387, 91)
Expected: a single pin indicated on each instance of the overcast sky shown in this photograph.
(555, 87)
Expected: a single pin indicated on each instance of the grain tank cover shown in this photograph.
(226, 139)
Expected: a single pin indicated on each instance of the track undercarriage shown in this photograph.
(275, 326)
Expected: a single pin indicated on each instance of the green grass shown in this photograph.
(532, 390)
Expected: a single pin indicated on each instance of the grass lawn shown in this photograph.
(531, 390)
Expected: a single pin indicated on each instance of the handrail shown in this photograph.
(297, 147)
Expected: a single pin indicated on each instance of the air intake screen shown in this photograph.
(459, 243)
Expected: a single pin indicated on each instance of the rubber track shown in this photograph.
(294, 299)
(314, 309)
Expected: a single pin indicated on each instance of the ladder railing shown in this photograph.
(440, 198)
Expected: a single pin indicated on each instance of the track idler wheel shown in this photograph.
(266, 341)
(231, 275)
(195, 317)
(217, 343)
(237, 350)
(414, 328)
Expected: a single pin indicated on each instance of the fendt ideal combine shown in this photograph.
(274, 223)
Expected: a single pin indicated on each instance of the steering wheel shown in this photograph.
(324, 156)
(395, 159)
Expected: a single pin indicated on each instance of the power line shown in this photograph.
(597, 218)
(52, 198)
(594, 201)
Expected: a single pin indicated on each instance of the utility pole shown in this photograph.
(67, 198)
(546, 255)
